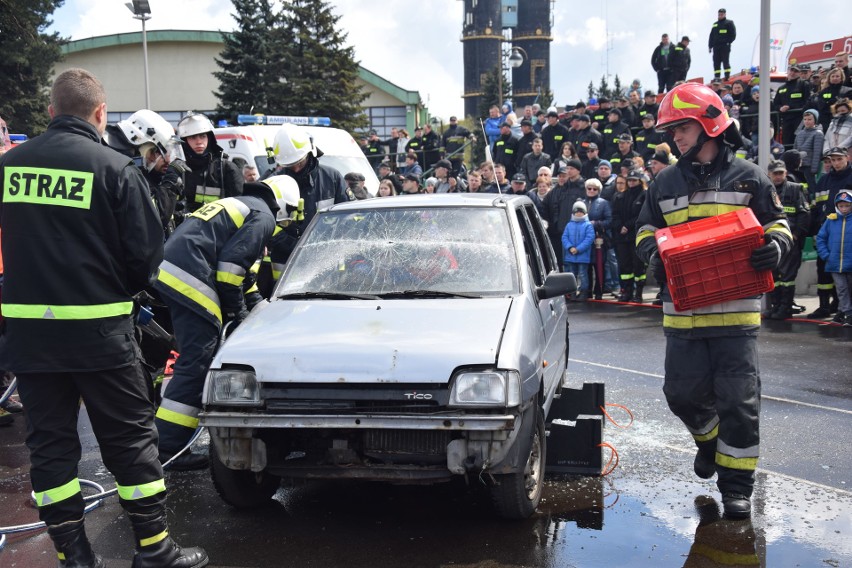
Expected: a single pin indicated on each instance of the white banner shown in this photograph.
(777, 47)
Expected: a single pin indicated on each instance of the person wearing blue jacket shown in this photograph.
(834, 246)
(577, 241)
(492, 125)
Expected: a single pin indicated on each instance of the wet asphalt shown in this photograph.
(651, 511)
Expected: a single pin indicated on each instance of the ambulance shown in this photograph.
(251, 142)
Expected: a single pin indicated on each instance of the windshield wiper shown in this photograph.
(327, 296)
(428, 294)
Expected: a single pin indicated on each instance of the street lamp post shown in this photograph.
(142, 11)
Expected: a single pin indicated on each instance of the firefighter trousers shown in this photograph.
(197, 339)
(121, 411)
(713, 386)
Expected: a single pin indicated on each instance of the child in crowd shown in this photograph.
(577, 243)
(834, 245)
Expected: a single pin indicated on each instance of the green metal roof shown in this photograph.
(132, 38)
(155, 36)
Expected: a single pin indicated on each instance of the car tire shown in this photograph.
(242, 489)
(517, 495)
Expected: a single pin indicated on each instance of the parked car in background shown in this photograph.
(408, 340)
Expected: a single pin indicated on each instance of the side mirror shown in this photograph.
(557, 284)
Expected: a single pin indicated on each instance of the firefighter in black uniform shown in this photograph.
(201, 279)
(454, 139)
(505, 148)
(554, 135)
(712, 381)
(320, 186)
(722, 35)
(625, 210)
(790, 101)
(612, 131)
(212, 176)
(373, 150)
(647, 138)
(794, 199)
(71, 203)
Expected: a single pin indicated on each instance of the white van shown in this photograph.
(253, 144)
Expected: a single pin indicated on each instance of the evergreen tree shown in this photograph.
(545, 98)
(603, 88)
(244, 81)
(617, 89)
(591, 90)
(318, 72)
(28, 58)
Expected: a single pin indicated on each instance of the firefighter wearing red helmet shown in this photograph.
(712, 382)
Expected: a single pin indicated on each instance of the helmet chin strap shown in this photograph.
(690, 154)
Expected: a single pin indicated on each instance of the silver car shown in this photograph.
(409, 339)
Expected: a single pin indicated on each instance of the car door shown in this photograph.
(551, 310)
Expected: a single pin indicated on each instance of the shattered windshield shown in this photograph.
(465, 251)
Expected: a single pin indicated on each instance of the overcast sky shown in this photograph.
(415, 43)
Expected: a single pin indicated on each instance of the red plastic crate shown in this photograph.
(707, 261)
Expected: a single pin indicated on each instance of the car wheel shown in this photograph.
(242, 489)
(517, 495)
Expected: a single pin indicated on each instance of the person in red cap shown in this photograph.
(712, 382)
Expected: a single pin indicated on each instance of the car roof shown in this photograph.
(436, 200)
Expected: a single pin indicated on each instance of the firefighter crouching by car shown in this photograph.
(70, 203)
(210, 174)
(712, 381)
(201, 280)
(320, 186)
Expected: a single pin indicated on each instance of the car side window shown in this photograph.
(531, 248)
(547, 255)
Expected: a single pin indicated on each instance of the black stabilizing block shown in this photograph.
(575, 431)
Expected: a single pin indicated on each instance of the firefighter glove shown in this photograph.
(768, 256)
(656, 267)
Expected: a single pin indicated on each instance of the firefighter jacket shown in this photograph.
(618, 159)
(374, 153)
(834, 243)
(687, 192)
(524, 148)
(81, 237)
(553, 137)
(583, 138)
(505, 149)
(212, 177)
(209, 254)
(795, 94)
(611, 131)
(722, 33)
(794, 200)
(454, 139)
(645, 142)
(680, 60)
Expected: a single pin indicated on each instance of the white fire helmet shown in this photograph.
(286, 192)
(292, 144)
(145, 128)
(192, 124)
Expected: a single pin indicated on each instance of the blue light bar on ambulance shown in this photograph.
(273, 119)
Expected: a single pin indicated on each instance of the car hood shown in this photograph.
(353, 341)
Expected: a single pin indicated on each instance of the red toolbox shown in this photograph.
(707, 261)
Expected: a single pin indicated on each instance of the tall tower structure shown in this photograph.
(491, 31)
(482, 40)
(532, 37)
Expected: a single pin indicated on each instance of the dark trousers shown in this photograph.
(121, 410)
(789, 121)
(721, 61)
(629, 266)
(197, 339)
(717, 380)
(665, 80)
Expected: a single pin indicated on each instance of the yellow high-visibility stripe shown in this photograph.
(191, 287)
(229, 278)
(61, 493)
(49, 311)
(133, 492)
(745, 464)
(724, 558)
(711, 435)
(711, 320)
(153, 539)
(177, 418)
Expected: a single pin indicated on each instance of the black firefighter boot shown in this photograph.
(72, 546)
(626, 291)
(705, 459)
(784, 309)
(773, 299)
(156, 549)
(823, 311)
(637, 294)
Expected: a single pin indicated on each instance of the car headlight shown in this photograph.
(233, 386)
(486, 388)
